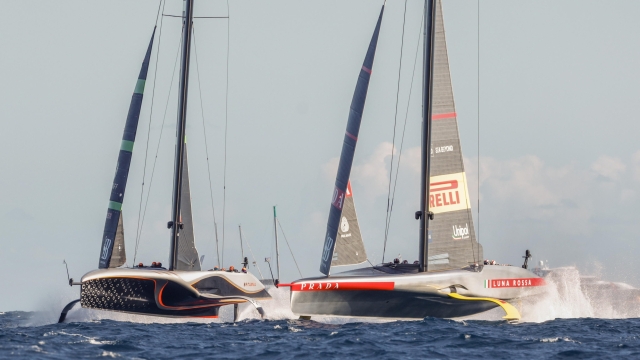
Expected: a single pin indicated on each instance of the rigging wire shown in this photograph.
(153, 170)
(146, 151)
(478, 102)
(206, 146)
(255, 263)
(226, 112)
(395, 119)
(406, 116)
(291, 251)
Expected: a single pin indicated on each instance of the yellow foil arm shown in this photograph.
(512, 314)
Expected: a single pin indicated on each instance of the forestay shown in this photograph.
(348, 151)
(113, 221)
(452, 242)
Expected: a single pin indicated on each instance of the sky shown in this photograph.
(546, 96)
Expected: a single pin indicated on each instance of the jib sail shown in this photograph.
(113, 222)
(349, 246)
(187, 253)
(452, 242)
(348, 151)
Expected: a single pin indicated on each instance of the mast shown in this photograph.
(175, 224)
(275, 229)
(427, 110)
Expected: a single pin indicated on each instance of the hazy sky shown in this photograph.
(559, 156)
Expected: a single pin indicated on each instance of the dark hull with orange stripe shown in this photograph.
(168, 293)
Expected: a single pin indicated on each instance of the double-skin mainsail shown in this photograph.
(348, 151)
(112, 251)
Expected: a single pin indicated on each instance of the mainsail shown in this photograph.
(187, 253)
(348, 151)
(452, 239)
(114, 213)
(349, 248)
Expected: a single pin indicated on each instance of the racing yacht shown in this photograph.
(182, 289)
(449, 279)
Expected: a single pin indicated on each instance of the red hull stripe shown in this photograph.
(338, 286)
(366, 69)
(443, 116)
(351, 136)
(515, 283)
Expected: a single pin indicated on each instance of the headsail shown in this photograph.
(452, 242)
(349, 246)
(114, 215)
(118, 255)
(348, 151)
(187, 254)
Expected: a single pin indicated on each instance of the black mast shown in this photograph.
(175, 224)
(427, 110)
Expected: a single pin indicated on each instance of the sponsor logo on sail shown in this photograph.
(105, 248)
(338, 198)
(444, 149)
(448, 193)
(441, 149)
(513, 283)
(328, 244)
(344, 224)
(460, 233)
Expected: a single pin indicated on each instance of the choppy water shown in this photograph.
(569, 322)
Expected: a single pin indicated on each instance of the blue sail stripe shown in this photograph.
(124, 162)
(348, 151)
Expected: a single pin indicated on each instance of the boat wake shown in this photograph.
(569, 295)
(572, 295)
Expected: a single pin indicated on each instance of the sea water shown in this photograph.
(567, 322)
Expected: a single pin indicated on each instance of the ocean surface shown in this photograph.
(570, 322)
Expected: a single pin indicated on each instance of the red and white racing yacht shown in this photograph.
(449, 279)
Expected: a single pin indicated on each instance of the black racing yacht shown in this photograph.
(183, 288)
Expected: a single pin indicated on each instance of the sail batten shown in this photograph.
(113, 223)
(348, 151)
